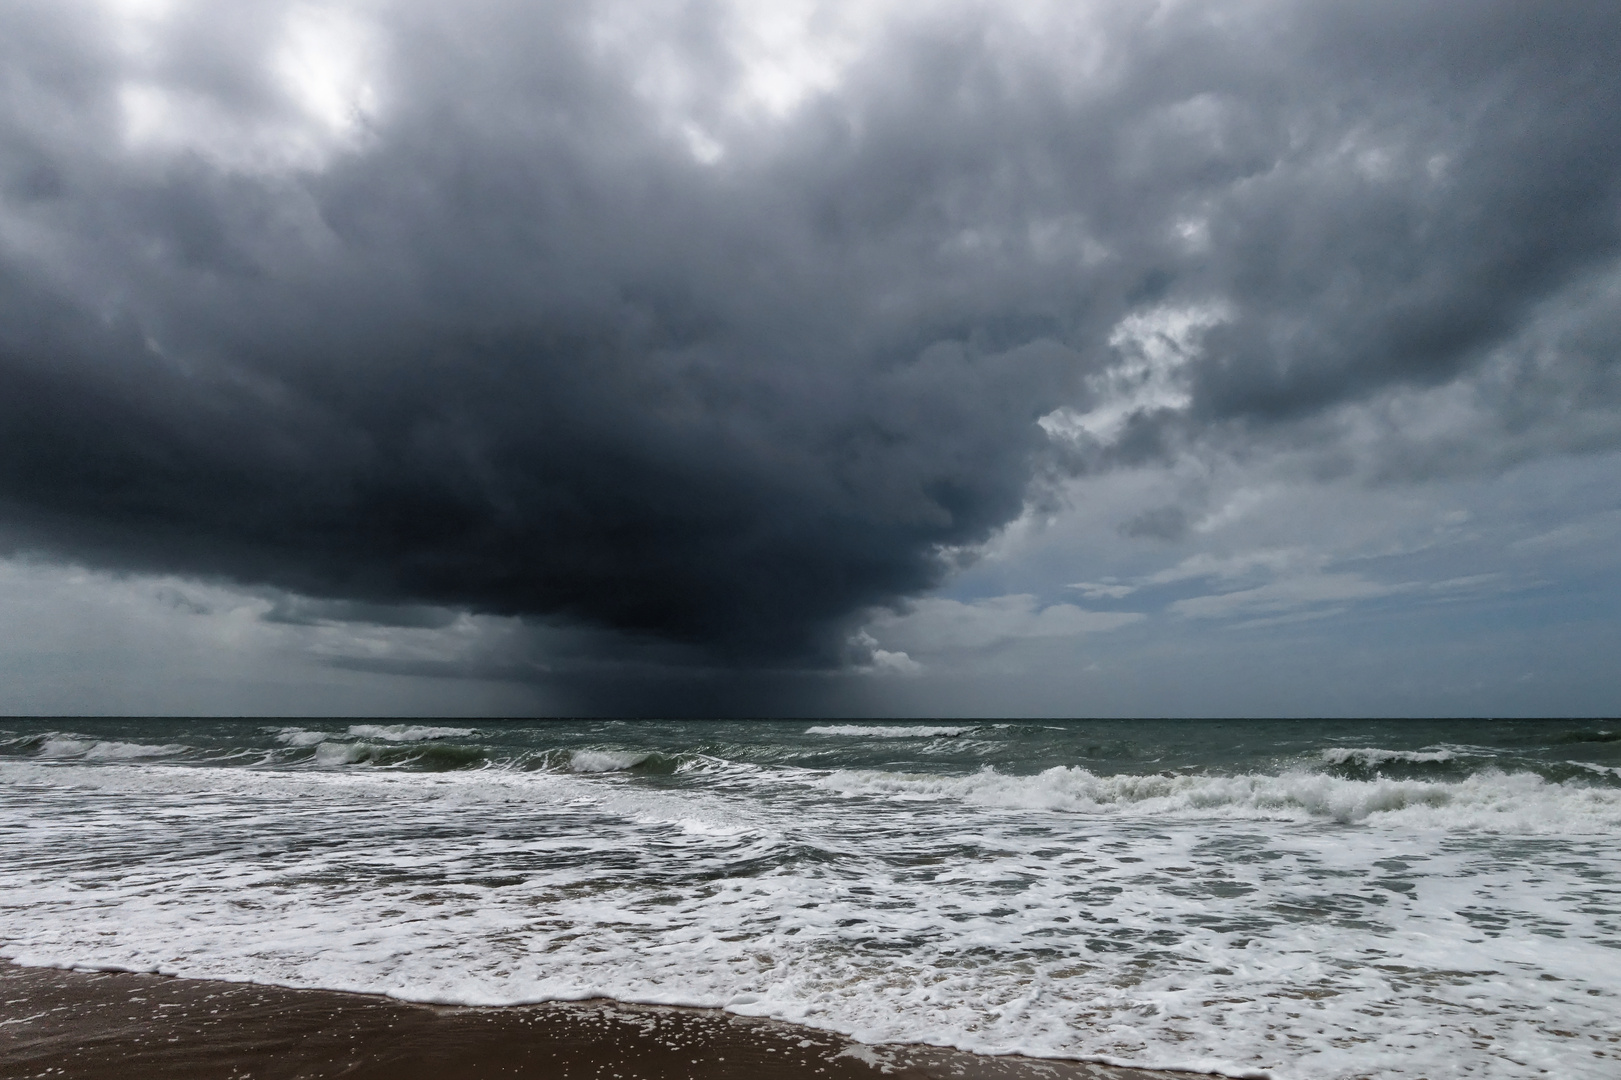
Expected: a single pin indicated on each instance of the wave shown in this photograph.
(599, 761)
(299, 737)
(1488, 801)
(1602, 735)
(1601, 770)
(978, 910)
(401, 733)
(1372, 756)
(428, 757)
(389, 733)
(399, 745)
(88, 749)
(888, 731)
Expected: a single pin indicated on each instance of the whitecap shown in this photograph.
(400, 733)
(889, 731)
(104, 749)
(1374, 756)
(1489, 801)
(342, 753)
(299, 737)
(598, 761)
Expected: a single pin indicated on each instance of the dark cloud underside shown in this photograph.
(530, 338)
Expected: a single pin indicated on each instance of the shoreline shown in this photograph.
(98, 1025)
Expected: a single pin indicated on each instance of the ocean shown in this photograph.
(1295, 899)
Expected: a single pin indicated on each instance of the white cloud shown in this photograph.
(1152, 349)
(880, 661)
(323, 60)
(1094, 590)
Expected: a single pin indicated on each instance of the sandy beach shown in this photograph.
(95, 1025)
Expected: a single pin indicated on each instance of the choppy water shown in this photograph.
(1304, 899)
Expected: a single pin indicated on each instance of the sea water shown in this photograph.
(1297, 899)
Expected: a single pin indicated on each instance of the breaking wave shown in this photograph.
(892, 731)
(1489, 801)
(402, 733)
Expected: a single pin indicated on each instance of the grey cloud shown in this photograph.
(1160, 523)
(504, 341)
(937, 625)
(304, 611)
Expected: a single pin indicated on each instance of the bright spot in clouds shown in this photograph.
(1153, 350)
(321, 60)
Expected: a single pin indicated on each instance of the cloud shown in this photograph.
(1242, 564)
(1284, 594)
(712, 329)
(1152, 351)
(1093, 590)
(1160, 523)
(81, 642)
(304, 611)
(1298, 592)
(935, 625)
(873, 658)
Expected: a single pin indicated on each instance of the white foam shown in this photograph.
(299, 737)
(103, 749)
(333, 749)
(404, 733)
(598, 761)
(61, 746)
(866, 1055)
(341, 753)
(1487, 801)
(1601, 770)
(1193, 922)
(889, 731)
(1372, 756)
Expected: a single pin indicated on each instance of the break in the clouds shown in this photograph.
(716, 336)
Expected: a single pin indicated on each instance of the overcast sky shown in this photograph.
(639, 357)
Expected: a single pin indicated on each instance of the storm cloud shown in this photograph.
(717, 327)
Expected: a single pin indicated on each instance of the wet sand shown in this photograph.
(106, 1026)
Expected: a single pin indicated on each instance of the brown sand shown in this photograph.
(103, 1026)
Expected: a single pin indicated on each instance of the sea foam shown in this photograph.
(405, 733)
(890, 731)
(1489, 800)
(1293, 922)
(103, 749)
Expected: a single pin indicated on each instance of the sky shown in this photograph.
(779, 357)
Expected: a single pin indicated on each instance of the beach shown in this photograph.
(95, 1025)
(1304, 900)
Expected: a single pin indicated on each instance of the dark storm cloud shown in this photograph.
(532, 338)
